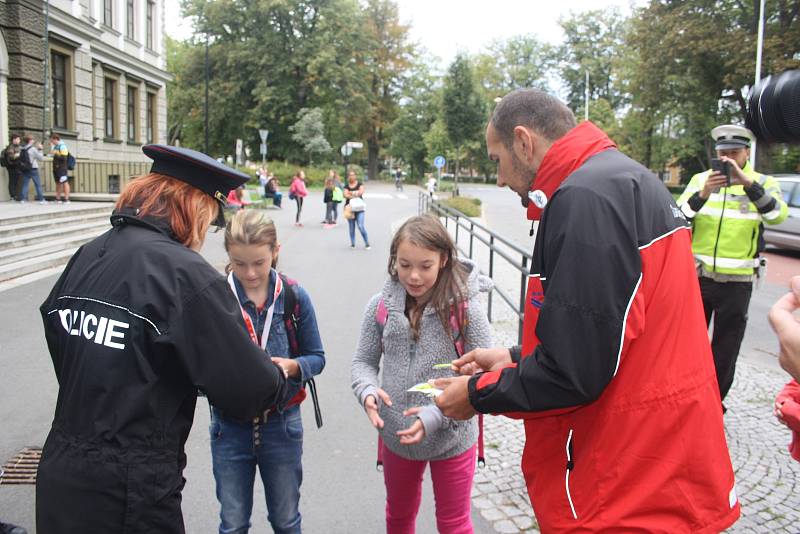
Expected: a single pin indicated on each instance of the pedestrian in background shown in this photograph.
(327, 199)
(614, 379)
(355, 205)
(728, 212)
(272, 442)
(138, 323)
(408, 327)
(60, 154)
(337, 195)
(10, 160)
(30, 157)
(431, 186)
(272, 190)
(298, 192)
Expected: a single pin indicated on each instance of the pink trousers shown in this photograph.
(452, 486)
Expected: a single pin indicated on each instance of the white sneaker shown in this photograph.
(43, 201)
(66, 201)
(58, 201)
(22, 201)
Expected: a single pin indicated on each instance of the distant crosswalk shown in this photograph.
(385, 196)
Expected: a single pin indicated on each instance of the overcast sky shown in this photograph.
(445, 27)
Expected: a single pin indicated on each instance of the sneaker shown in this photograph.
(22, 201)
(353, 247)
(66, 201)
(43, 201)
(59, 201)
(367, 247)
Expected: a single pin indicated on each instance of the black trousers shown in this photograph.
(14, 183)
(728, 301)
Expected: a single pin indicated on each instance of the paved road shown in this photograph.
(342, 492)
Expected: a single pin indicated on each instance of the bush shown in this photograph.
(283, 171)
(471, 207)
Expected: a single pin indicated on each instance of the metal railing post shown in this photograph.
(522, 289)
(491, 275)
(457, 225)
(471, 237)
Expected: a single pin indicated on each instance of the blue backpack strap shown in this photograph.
(291, 318)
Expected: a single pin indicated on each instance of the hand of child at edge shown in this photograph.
(371, 407)
(777, 412)
(415, 432)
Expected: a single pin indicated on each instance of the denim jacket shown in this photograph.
(311, 359)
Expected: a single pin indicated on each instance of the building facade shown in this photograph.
(92, 71)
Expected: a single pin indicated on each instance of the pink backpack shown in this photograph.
(459, 319)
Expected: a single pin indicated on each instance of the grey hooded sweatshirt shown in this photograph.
(408, 363)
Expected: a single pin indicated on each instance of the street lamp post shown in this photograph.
(759, 48)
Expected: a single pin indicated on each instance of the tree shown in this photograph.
(463, 109)
(594, 44)
(309, 131)
(385, 58)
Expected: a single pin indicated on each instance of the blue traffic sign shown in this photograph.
(439, 162)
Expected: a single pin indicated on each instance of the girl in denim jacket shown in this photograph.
(274, 441)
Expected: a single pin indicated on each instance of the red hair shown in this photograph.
(188, 210)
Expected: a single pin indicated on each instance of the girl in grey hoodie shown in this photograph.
(410, 324)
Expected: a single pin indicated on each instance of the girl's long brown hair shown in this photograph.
(427, 231)
(188, 210)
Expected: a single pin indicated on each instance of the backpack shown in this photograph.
(70, 161)
(291, 320)
(459, 320)
(25, 163)
(337, 195)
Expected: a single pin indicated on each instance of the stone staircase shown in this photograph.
(36, 241)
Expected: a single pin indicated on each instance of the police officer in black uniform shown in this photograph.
(136, 325)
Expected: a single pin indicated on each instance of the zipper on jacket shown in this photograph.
(719, 227)
(570, 467)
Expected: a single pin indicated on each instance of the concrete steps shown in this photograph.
(32, 242)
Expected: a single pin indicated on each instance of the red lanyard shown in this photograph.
(246, 316)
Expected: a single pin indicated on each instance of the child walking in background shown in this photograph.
(327, 198)
(274, 441)
(298, 191)
(411, 322)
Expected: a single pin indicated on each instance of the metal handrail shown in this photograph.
(491, 239)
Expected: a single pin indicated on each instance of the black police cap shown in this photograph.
(198, 170)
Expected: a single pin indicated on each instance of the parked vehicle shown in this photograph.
(787, 234)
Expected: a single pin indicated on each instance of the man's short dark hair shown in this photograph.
(15, 136)
(535, 109)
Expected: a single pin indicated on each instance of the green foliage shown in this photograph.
(471, 207)
(658, 80)
(594, 43)
(309, 132)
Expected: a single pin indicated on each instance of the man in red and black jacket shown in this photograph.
(615, 378)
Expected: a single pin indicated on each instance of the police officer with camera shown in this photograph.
(728, 206)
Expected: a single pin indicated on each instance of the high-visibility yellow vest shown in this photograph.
(726, 229)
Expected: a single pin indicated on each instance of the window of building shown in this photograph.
(130, 16)
(59, 77)
(152, 121)
(133, 114)
(151, 29)
(110, 95)
(108, 14)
